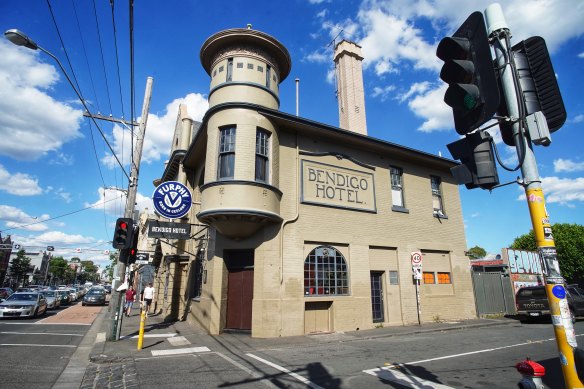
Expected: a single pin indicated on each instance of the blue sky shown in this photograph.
(54, 164)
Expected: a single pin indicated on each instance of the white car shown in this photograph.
(73, 294)
(21, 304)
(52, 297)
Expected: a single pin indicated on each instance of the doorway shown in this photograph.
(377, 297)
(239, 289)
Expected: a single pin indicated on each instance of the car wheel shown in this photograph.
(83, 303)
(36, 311)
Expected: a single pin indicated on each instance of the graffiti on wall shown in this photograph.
(524, 262)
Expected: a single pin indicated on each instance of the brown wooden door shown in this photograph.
(239, 299)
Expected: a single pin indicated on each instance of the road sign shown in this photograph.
(416, 259)
(417, 273)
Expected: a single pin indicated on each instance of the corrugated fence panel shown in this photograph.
(489, 295)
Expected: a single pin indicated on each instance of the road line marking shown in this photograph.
(170, 335)
(180, 351)
(38, 333)
(259, 377)
(397, 365)
(37, 345)
(46, 324)
(178, 341)
(392, 375)
(309, 383)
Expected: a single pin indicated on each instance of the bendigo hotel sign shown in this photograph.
(337, 186)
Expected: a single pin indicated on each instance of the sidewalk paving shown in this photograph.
(112, 364)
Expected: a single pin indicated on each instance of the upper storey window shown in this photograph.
(268, 75)
(230, 69)
(226, 164)
(397, 187)
(262, 161)
(437, 204)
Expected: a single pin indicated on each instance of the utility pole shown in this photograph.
(556, 294)
(116, 299)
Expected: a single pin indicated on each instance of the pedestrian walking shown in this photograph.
(148, 297)
(130, 298)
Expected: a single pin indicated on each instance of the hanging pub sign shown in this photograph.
(172, 199)
(158, 229)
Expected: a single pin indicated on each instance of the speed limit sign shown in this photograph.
(416, 259)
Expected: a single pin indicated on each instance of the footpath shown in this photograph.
(98, 363)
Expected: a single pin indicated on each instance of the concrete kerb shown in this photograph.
(427, 328)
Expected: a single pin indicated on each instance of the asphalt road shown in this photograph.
(472, 358)
(34, 352)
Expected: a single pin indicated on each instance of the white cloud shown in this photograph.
(566, 165)
(563, 191)
(159, 131)
(578, 119)
(114, 202)
(383, 93)
(581, 55)
(18, 184)
(428, 105)
(31, 122)
(390, 42)
(16, 218)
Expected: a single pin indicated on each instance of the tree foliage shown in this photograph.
(569, 241)
(20, 265)
(476, 252)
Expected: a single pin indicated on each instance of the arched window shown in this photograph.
(325, 273)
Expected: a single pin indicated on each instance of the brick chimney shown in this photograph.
(350, 92)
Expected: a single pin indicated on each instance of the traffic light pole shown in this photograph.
(560, 312)
(116, 308)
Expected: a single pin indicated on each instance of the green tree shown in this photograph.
(476, 252)
(569, 241)
(20, 266)
(57, 268)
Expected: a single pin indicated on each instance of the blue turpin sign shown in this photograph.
(172, 200)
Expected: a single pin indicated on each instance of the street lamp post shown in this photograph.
(20, 39)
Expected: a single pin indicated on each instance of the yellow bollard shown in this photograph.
(141, 333)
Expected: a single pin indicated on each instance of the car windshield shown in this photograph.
(63, 293)
(23, 297)
(48, 293)
(96, 292)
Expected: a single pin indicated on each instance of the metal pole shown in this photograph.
(556, 294)
(116, 316)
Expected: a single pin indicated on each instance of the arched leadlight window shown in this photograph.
(325, 273)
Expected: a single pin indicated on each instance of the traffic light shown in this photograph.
(123, 233)
(468, 70)
(128, 255)
(133, 250)
(539, 87)
(477, 168)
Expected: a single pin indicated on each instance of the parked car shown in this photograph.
(24, 304)
(73, 294)
(532, 302)
(108, 288)
(64, 296)
(52, 297)
(5, 293)
(94, 297)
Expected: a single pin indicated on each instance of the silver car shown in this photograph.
(24, 304)
(52, 297)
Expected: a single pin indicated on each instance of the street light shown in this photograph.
(21, 39)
